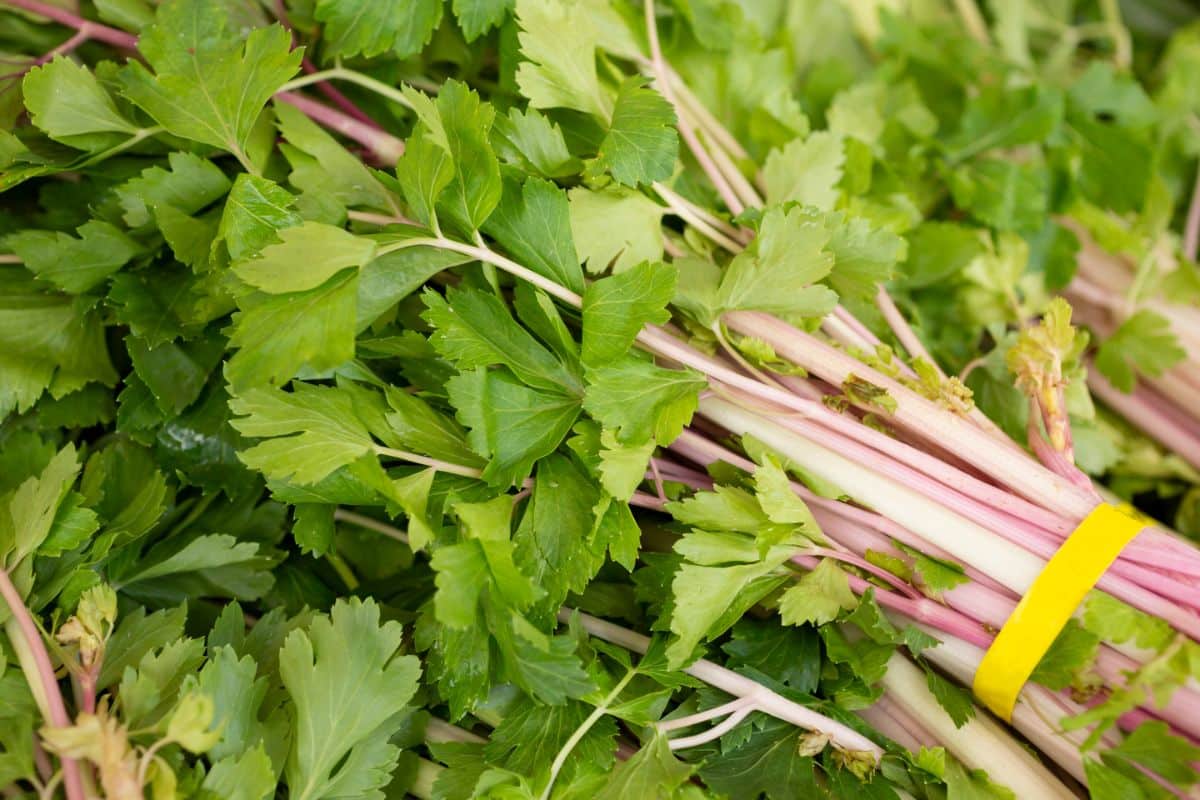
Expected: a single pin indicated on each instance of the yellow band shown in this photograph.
(1040, 616)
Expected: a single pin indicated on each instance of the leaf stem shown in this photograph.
(916, 413)
(139, 135)
(381, 220)
(438, 730)
(916, 350)
(1152, 414)
(980, 743)
(737, 181)
(489, 256)
(148, 759)
(719, 332)
(363, 521)
(435, 463)
(350, 76)
(707, 123)
(704, 716)
(988, 550)
(329, 90)
(730, 682)
(69, 46)
(712, 227)
(713, 733)
(27, 639)
(343, 570)
(1118, 33)
(809, 559)
(560, 758)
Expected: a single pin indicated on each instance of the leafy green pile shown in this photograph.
(351, 356)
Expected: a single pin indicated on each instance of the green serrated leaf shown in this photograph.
(276, 335)
(75, 264)
(779, 271)
(348, 685)
(640, 400)
(616, 228)
(533, 224)
(254, 211)
(641, 144)
(819, 596)
(306, 256)
(616, 308)
(67, 102)
(310, 431)
(560, 65)
(208, 85)
(191, 184)
(1144, 342)
(371, 28)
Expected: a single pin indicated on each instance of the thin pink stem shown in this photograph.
(1191, 229)
(703, 451)
(1183, 709)
(836, 328)
(918, 414)
(42, 760)
(732, 202)
(904, 332)
(859, 538)
(386, 148)
(896, 723)
(708, 123)
(1151, 414)
(1058, 462)
(656, 476)
(56, 708)
(916, 350)
(806, 389)
(671, 348)
(87, 687)
(678, 473)
(928, 612)
(810, 562)
(101, 33)
(79, 37)
(643, 500)
(1125, 579)
(340, 100)
(324, 87)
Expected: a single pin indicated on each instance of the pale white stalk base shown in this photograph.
(979, 744)
(962, 538)
(1036, 708)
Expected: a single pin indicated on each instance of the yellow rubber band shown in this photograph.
(1055, 594)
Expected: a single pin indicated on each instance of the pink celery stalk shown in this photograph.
(56, 709)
